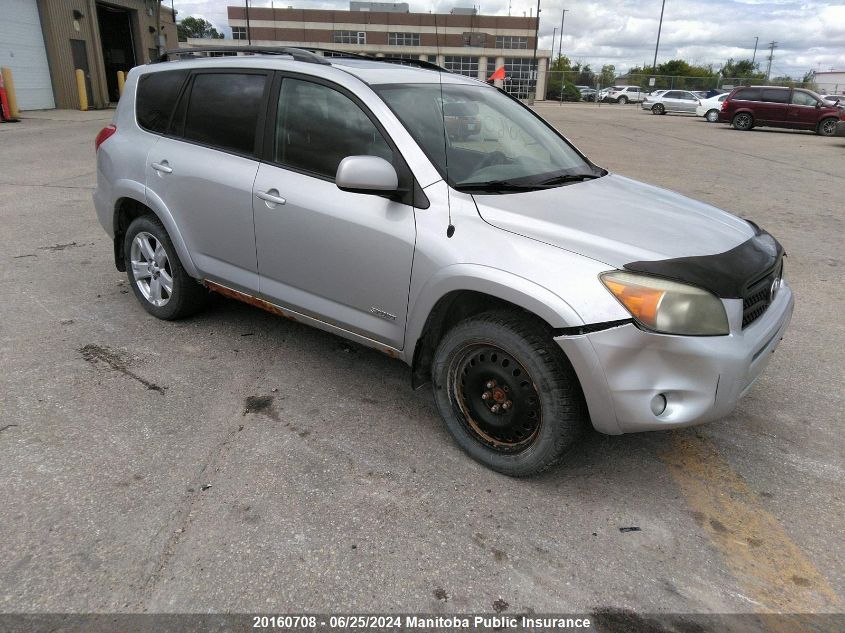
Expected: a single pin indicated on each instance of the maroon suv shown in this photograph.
(776, 106)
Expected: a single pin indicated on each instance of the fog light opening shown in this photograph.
(658, 404)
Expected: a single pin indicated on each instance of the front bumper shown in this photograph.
(623, 369)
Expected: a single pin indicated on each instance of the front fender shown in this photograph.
(491, 281)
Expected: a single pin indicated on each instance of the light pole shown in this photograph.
(657, 46)
(554, 31)
(754, 56)
(536, 40)
(560, 44)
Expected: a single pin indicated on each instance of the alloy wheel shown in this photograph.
(828, 127)
(151, 269)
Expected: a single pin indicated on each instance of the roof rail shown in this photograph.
(298, 54)
(410, 62)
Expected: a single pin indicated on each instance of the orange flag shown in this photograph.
(499, 73)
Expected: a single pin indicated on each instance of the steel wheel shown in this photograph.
(151, 269)
(743, 121)
(827, 127)
(495, 398)
(712, 116)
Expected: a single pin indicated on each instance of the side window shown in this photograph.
(317, 127)
(157, 94)
(803, 98)
(672, 94)
(748, 94)
(688, 96)
(773, 95)
(223, 110)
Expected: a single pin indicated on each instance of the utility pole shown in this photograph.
(536, 41)
(754, 56)
(772, 47)
(657, 46)
(248, 33)
(553, 43)
(560, 45)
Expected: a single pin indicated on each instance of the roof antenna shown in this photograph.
(450, 229)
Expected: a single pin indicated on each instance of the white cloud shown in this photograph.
(810, 33)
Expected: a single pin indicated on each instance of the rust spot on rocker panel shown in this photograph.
(271, 307)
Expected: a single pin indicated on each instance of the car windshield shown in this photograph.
(479, 138)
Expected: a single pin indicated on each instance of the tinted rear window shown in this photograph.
(157, 94)
(223, 110)
(773, 95)
(748, 94)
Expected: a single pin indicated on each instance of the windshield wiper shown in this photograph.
(497, 185)
(562, 179)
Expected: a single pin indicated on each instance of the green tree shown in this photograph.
(197, 27)
(742, 68)
(607, 75)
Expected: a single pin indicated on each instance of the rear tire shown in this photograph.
(507, 393)
(743, 121)
(827, 127)
(658, 108)
(712, 116)
(155, 273)
(622, 100)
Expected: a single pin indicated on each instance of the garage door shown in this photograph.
(22, 50)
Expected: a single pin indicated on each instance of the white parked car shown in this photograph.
(624, 94)
(710, 108)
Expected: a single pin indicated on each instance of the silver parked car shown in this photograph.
(672, 101)
(434, 218)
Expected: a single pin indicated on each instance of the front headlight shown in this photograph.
(668, 306)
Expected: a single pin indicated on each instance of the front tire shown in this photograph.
(827, 127)
(712, 116)
(507, 394)
(155, 273)
(743, 121)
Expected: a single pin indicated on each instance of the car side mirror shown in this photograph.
(818, 104)
(366, 174)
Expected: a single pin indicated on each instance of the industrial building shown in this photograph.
(461, 41)
(45, 41)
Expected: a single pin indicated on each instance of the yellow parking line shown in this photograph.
(769, 567)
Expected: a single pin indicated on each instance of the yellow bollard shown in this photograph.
(80, 86)
(121, 81)
(10, 93)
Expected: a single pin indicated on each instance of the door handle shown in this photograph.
(271, 196)
(163, 167)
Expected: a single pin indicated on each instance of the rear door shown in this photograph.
(773, 107)
(343, 258)
(204, 168)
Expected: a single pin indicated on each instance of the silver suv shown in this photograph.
(437, 219)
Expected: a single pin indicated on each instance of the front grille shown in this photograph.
(759, 296)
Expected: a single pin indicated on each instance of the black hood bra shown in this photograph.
(727, 275)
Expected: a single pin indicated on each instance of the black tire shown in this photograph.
(622, 100)
(743, 121)
(827, 127)
(514, 353)
(187, 297)
(712, 116)
(658, 108)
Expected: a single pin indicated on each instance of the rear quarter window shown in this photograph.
(156, 96)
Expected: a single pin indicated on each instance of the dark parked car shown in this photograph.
(775, 106)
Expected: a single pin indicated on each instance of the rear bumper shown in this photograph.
(624, 369)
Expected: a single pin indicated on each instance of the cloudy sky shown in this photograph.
(810, 33)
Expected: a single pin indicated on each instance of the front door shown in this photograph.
(344, 258)
(803, 110)
(204, 171)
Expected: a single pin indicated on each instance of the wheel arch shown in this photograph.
(130, 205)
(447, 300)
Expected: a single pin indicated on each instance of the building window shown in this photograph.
(239, 33)
(512, 41)
(519, 77)
(403, 39)
(461, 65)
(475, 39)
(350, 37)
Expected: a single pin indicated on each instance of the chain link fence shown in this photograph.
(586, 86)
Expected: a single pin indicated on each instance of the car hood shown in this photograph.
(616, 220)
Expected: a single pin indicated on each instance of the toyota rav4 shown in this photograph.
(436, 219)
